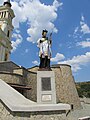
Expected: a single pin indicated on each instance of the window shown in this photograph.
(4, 14)
(6, 57)
(8, 33)
(1, 14)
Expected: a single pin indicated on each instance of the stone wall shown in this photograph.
(6, 114)
(11, 78)
(33, 69)
(18, 71)
(24, 73)
(65, 85)
(8, 66)
(32, 81)
(11, 73)
(18, 76)
(59, 84)
(69, 92)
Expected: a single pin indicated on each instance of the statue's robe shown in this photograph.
(45, 52)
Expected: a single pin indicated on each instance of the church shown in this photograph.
(20, 93)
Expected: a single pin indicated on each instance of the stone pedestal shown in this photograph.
(46, 92)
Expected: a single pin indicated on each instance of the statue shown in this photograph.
(44, 45)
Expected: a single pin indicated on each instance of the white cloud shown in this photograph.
(88, 39)
(81, 30)
(84, 44)
(18, 40)
(76, 30)
(58, 57)
(80, 33)
(35, 62)
(26, 50)
(82, 18)
(17, 31)
(85, 29)
(77, 61)
(56, 4)
(38, 16)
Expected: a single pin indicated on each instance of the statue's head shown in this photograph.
(44, 33)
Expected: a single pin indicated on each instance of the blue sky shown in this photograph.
(70, 22)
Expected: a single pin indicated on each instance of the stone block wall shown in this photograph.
(59, 84)
(6, 114)
(32, 81)
(11, 78)
(33, 69)
(8, 66)
(18, 71)
(69, 89)
(65, 85)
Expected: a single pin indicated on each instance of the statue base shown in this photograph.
(44, 69)
(46, 92)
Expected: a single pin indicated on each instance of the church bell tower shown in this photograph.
(6, 28)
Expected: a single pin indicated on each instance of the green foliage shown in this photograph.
(83, 89)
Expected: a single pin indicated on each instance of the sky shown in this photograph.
(68, 20)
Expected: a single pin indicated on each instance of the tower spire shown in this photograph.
(7, 3)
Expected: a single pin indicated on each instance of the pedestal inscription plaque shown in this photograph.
(46, 83)
(46, 97)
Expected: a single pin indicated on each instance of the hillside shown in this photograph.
(83, 89)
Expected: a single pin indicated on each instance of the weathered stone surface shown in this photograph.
(6, 114)
(8, 66)
(65, 87)
(33, 69)
(59, 84)
(17, 102)
(47, 95)
(11, 78)
(69, 92)
(32, 81)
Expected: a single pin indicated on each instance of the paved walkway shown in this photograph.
(74, 115)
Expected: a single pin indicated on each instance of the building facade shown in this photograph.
(6, 28)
